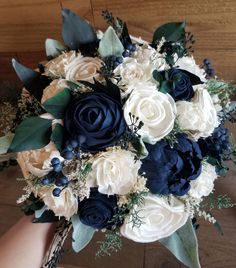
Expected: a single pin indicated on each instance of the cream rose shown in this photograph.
(55, 87)
(155, 109)
(131, 72)
(114, 172)
(83, 68)
(189, 64)
(65, 205)
(161, 218)
(198, 117)
(204, 184)
(38, 162)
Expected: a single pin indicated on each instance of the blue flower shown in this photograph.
(169, 170)
(98, 210)
(182, 87)
(217, 144)
(95, 120)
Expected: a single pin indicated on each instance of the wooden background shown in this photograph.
(24, 26)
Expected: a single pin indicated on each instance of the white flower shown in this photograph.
(199, 117)
(114, 172)
(55, 87)
(148, 56)
(37, 162)
(56, 67)
(189, 64)
(131, 72)
(161, 218)
(65, 205)
(83, 68)
(155, 109)
(204, 184)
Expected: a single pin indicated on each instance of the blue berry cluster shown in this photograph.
(71, 150)
(217, 144)
(56, 177)
(129, 49)
(208, 68)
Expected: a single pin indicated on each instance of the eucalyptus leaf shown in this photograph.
(173, 31)
(33, 81)
(76, 31)
(5, 142)
(57, 136)
(47, 216)
(32, 133)
(58, 103)
(183, 244)
(82, 234)
(53, 48)
(110, 44)
(39, 212)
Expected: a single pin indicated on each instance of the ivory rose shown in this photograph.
(114, 172)
(155, 109)
(161, 218)
(198, 118)
(204, 184)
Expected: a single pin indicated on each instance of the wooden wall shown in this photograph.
(25, 24)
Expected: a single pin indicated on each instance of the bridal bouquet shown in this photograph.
(124, 136)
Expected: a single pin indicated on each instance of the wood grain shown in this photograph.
(25, 24)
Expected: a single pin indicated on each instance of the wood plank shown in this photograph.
(24, 25)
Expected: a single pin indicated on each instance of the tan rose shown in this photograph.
(56, 67)
(55, 87)
(37, 162)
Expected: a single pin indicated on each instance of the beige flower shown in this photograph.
(55, 87)
(37, 162)
(65, 205)
(83, 68)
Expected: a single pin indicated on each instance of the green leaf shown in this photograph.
(32, 133)
(110, 44)
(183, 244)
(76, 31)
(157, 76)
(57, 104)
(39, 212)
(53, 48)
(166, 86)
(57, 136)
(5, 143)
(34, 81)
(140, 148)
(173, 31)
(47, 216)
(82, 234)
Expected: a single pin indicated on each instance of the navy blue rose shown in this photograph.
(170, 170)
(95, 120)
(217, 145)
(182, 87)
(98, 210)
